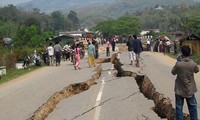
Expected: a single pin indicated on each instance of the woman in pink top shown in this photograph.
(77, 55)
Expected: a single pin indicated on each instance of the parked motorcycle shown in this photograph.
(45, 58)
(36, 60)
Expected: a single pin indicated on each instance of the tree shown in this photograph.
(8, 29)
(122, 27)
(29, 36)
(73, 17)
(58, 20)
(9, 13)
(185, 25)
(195, 25)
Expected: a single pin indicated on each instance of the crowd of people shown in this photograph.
(160, 45)
(184, 69)
(73, 53)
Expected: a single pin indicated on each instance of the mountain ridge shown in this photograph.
(49, 6)
(93, 11)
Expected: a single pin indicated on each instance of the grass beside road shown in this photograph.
(195, 57)
(14, 73)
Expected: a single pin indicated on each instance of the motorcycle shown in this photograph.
(36, 60)
(66, 55)
(45, 58)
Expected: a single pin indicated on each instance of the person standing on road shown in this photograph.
(137, 49)
(130, 49)
(175, 47)
(58, 50)
(148, 44)
(113, 43)
(107, 47)
(66, 52)
(91, 53)
(77, 54)
(185, 86)
(96, 45)
(50, 51)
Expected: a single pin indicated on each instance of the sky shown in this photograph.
(14, 2)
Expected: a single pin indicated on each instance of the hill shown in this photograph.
(92, 11)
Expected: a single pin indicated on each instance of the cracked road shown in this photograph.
(110, 99)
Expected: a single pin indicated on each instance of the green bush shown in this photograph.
(1, 60)
(21, 53)
(196, 58)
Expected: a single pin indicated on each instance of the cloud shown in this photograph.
(14, 2)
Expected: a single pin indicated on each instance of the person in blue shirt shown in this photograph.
(91, 54)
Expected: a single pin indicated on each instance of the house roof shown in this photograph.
(190, 37)
(58, 37)
(175, 33)
(163, 38)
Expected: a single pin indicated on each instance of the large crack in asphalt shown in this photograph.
(129, 96)
(162, 105)
(100, 104)
(44, 110)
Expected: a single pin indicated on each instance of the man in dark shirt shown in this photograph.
(137, 49)
(130, 49)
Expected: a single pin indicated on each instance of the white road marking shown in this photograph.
(99, 97)
(98, 109)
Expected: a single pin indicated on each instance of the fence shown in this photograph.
(8, 60)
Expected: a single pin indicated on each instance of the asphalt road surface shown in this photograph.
(111, 98)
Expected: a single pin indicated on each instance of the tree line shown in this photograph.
(31, 29)
(177, 18)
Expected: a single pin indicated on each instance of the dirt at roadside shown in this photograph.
(120, 47)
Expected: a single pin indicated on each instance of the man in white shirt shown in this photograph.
(66, 54)
(148, 44)
(50, 50)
